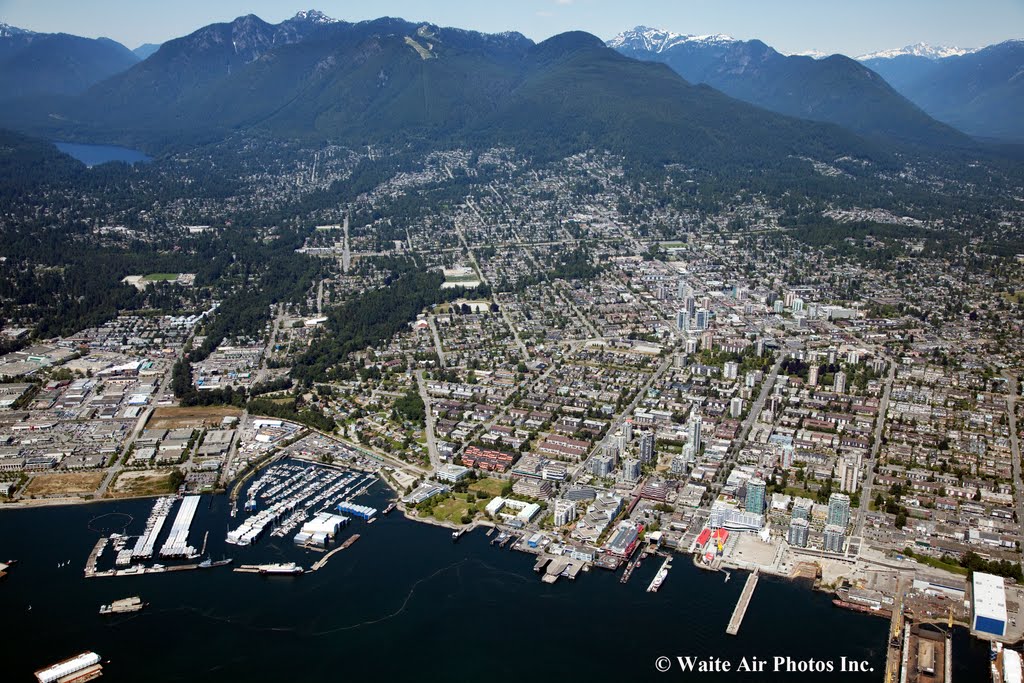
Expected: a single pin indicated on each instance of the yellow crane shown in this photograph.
(895, 629)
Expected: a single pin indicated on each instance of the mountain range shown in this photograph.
(390, 80)
(980, 92)
(918, 50)
(835, 89)
(56, 63)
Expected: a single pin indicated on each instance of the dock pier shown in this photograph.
(90, 564)
(741, 606)
(323, 560)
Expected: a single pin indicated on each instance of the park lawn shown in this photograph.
(453, 509)
(157, 277)
(491, 487)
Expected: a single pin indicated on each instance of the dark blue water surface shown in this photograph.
(93, 155)
(404, 603)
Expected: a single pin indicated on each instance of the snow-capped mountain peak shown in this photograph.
(314, 16)
(7, 31)
(918, 50)
(656, 40)
(813, 54)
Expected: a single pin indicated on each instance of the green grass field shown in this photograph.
(490, 487)
(453, 508)
(157, 277)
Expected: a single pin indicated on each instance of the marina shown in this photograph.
(741, 606)
(176, 544)
(291, 493)
(146, 543)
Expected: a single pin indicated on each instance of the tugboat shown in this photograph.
(208, 563)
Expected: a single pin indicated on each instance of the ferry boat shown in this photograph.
(85, 666)
(390, 507)
(125, 606)
(281, 568)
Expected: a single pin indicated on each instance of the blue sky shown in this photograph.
(849, 27)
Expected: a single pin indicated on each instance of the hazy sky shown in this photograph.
(849, 27)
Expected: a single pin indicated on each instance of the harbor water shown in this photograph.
(404, 603)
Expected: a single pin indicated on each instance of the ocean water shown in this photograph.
(403, 603)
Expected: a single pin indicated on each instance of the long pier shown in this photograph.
(741, 606)
(90, 564)
(323, 560)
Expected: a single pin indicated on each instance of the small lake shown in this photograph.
(92, 155)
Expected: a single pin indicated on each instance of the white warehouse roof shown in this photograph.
(989, 596)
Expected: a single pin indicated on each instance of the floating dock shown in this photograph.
(176, 544)
(741, 607)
